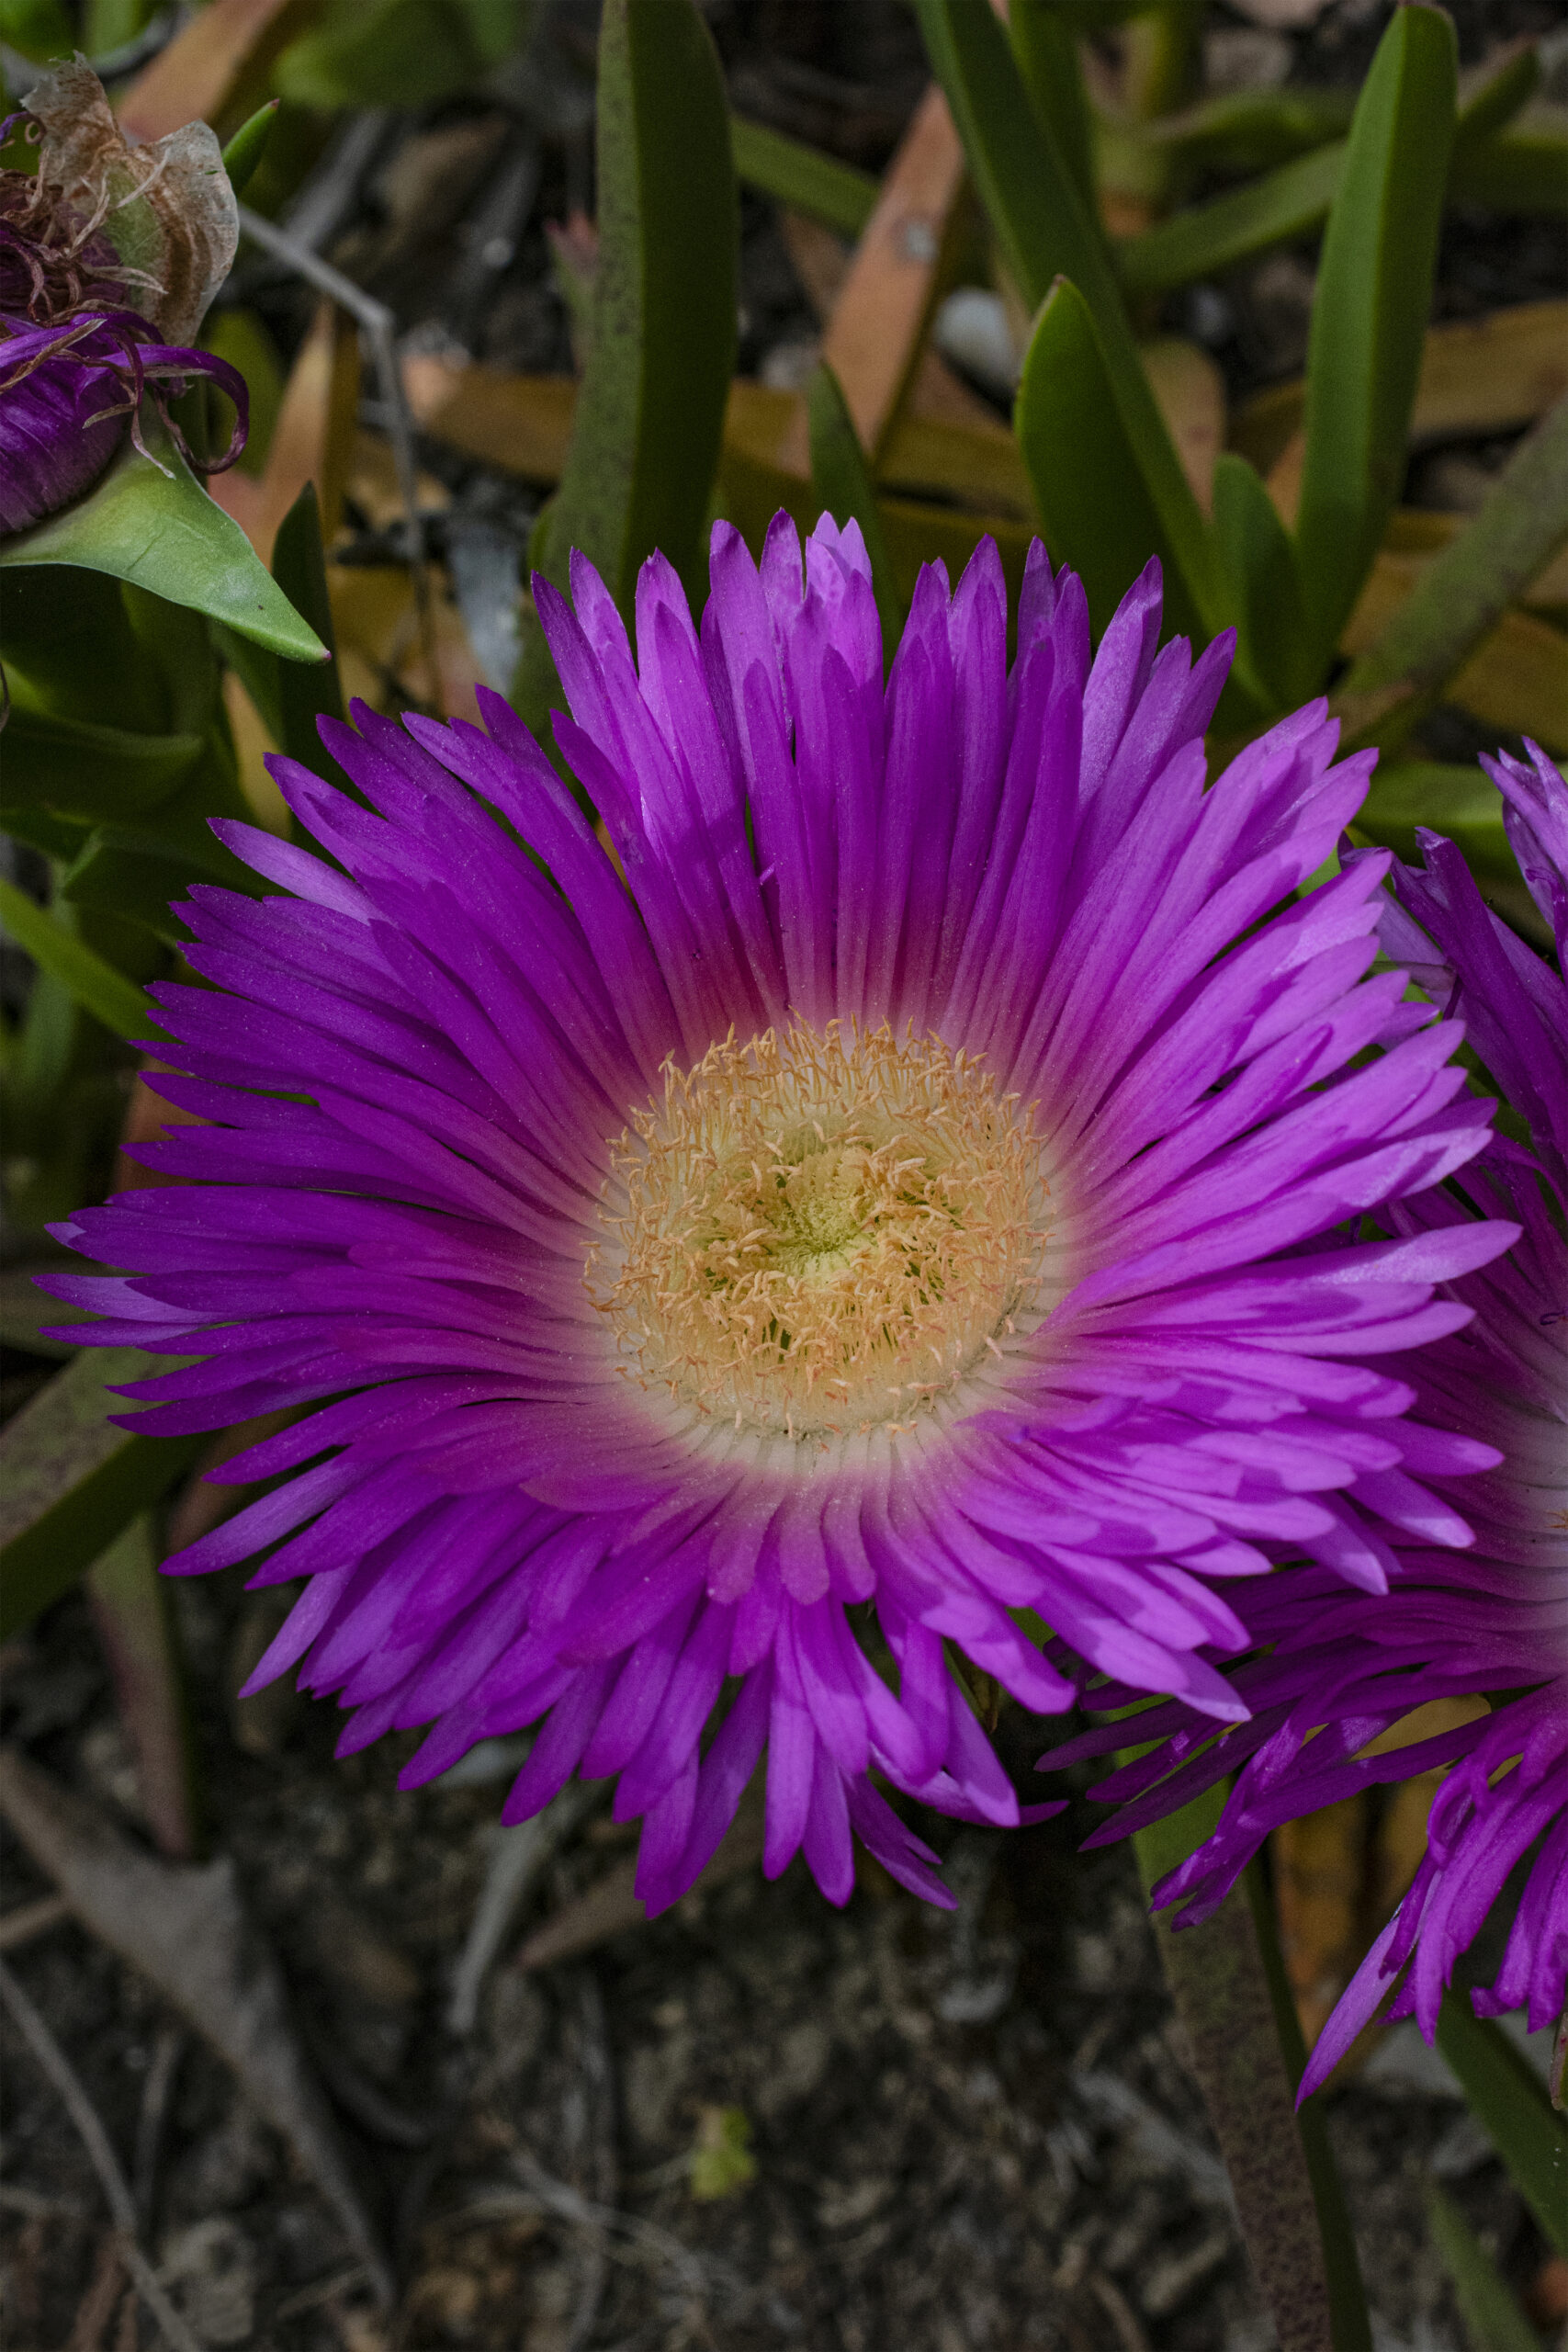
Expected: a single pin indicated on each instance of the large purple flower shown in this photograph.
(85, 331)
(1335, 1672)
(878, 1206)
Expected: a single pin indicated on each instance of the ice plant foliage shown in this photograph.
(1349, 1690)
(878, 1206)
(109, 257)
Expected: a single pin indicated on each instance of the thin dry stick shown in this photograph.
(596, 2069)
(168, 2050)
(378, 324)
(101, 2155)
(97, 2306)
(29, 1920)
(518, 1859)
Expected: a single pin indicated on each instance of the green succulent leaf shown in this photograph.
(1524, 169)
(1459, 802)
(54, 946)
(1510, 2100)
(1369, 316)
(70, 1480)
(798, 175)
(1249, 130)
(1260, 561)
(83, 769)
(1490, 101)
(39, 28)
(1096, 506)
(290, 698)
(649, 418)
(840, 481)
(1205, 239)
(1228, 1982)
(1046, 48)
(150, 521)
(1492, 2316)
(1466, 588)
(388, 53)
(1047, 231)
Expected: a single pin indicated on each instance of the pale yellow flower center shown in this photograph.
(822, 1230)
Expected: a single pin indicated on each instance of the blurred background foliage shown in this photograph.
(1273, 291)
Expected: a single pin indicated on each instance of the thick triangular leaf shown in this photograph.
(1202, 240)
(1375, 286)
(1045, 46)
(150, 521)
(1094, 500)
(289, 697)
(1228, 1984)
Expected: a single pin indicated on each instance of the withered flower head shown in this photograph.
(110, 255)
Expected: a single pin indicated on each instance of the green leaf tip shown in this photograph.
(248, 145)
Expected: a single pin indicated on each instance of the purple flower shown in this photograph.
(890, 1217)
(82, 328)
(1332, 1672)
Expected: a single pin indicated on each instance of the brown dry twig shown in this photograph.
(188, 1930)
(596, 2070)
(380, 328)
(89, 2128)
(30, 1919)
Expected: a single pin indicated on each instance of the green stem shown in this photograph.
(1228, 1985)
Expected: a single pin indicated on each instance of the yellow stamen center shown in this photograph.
(818, 1230)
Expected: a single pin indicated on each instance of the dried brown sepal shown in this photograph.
(166, 209)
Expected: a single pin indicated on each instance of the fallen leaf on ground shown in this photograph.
(1478, 376)
(313, 439)
(134, 1620)
(1319, 1869)
(1189, 392)
(188, 1932)
(1516, 681)
(873, 340)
